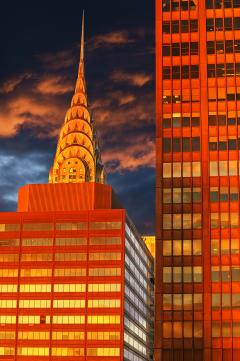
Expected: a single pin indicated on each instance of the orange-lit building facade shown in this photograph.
(75, 285)
(198, 169)
(76, 279)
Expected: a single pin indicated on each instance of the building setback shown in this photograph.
(76, 278)
(198, 168)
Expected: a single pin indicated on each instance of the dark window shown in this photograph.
(184, 5)
(166, 5)
(232, 144)
(42, 319)
(184, 26)
(176, 122)
(213, 196)
(218, 4)
(234, 197)
(186, 121)
(219, 47)
(176, 99)
(236, 23)
(231, 121)
(186, 144)
(222, 120)
(192, 4)
(227, 3)
(176, 72)
(210, 47)
(185, 48)
(175, 5)
(195, 144)
(193, 26)
(167, 99)
(229, 46)
(194, 71)
(212, 120)
(219, 24)
(166, 27)
(166, 50)
(185, 72)
(166, 72)
(230, 96)
(237, 69)
(176, 145)
(237, 46)
(175, 27)
(223, 197)
(220, 70)
(229, 69)
(222, 145)
(167, 145)
(175, 49)
(209, 4)
(210, 25)
(236, 4)
(195, 122)
(228, 24)
(167, 123)
(213, 146)
(211, 71)
(194, 48)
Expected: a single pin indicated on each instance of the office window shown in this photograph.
(38, 226)
(235, 273)
(67, 351)
(105, 256)
(101, 352)
(111, 287)
(216, 329)
(71, 226)
(216, 301)
(197, 274)
(76, 241)
(167, 248)
(167, 274)
(105, 335)
(9, 242)
(105, 240)
(216, 277)
(103, 319)
(104, 272)
(226, 275)
(236, 301)
(167, 302)
(105, 225)
(177, 247)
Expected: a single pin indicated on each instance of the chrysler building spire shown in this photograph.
(77, 156)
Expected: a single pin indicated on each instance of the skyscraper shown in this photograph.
(76, 278)
(198, 168)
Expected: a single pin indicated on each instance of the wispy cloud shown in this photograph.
(10, 85)
(58, 60)
(54, 85)
(26, 109)
(131, 155)
(135, 79)
(115, 38)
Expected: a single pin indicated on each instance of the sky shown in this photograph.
(38, 69)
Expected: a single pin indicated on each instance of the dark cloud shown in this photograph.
(35, 92)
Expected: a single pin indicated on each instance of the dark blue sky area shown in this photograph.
(38, 67)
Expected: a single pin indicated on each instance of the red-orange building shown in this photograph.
(76, 279)
(198, 169)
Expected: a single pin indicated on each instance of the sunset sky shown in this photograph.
(38, 69)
